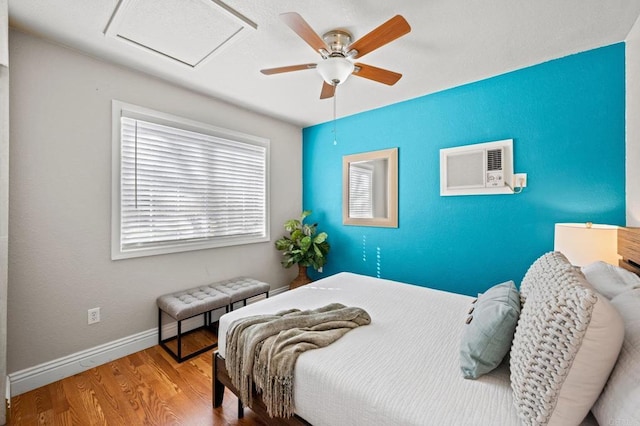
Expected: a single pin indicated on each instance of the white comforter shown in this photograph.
(402, 369)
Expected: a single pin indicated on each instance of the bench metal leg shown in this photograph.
(159, 326)
(177, 355)
(180, 341)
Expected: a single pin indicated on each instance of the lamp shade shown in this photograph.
(584, 243)
(335, 70)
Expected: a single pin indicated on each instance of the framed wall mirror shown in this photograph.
(370, 188)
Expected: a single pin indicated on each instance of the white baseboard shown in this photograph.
(43, 374)
(278, 291)
(49, 372)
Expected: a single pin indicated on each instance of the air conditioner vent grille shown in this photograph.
(494, 159)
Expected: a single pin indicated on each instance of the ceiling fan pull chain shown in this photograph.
(335, 135)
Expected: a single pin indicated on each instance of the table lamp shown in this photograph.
(584, 243)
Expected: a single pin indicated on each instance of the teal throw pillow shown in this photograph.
(489, 329)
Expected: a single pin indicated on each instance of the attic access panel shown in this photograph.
(186, 31)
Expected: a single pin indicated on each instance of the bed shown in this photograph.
(404, 367)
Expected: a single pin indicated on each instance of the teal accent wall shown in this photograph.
(567, 120)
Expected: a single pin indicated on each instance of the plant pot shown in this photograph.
(301, 279)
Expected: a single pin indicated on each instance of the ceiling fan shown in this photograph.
(338, 52)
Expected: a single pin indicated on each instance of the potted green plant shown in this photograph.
(304, 247)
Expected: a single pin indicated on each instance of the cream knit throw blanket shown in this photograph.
(263, 349)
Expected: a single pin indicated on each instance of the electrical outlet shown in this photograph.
(520, 180)
(93, 316)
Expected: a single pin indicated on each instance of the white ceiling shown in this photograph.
(452, 42)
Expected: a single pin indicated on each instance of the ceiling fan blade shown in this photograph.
(392, 29)
(328, 90)
(304, 30)
(377, 74)
(289, 68)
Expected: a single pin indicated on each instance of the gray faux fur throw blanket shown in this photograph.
(263, 349)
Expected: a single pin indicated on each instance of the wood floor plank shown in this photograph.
(127, 383)
(58, 398)
(85, 403)
(145, 388)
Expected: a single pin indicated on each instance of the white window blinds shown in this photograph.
(360, 191)
(182, 190)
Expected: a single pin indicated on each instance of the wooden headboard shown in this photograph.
(629, 249)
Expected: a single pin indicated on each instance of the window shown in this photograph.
(181, 185)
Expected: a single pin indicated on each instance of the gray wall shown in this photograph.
(60, 192)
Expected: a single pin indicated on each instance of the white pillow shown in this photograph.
(610, 280)
(566, 343)
(620, 400)
(548, 266)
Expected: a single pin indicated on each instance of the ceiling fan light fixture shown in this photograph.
(335, 70)
(339, 53)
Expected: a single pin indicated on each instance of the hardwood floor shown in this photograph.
(145, 388)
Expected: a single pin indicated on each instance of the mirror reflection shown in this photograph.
(370, 189)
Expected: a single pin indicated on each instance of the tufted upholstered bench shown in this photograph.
(204, 300)
(241, 289)
(188, 304)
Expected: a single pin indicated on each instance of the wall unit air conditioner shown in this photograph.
(484, 168)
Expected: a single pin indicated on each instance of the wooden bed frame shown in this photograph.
(221, 379)
(628, 249)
